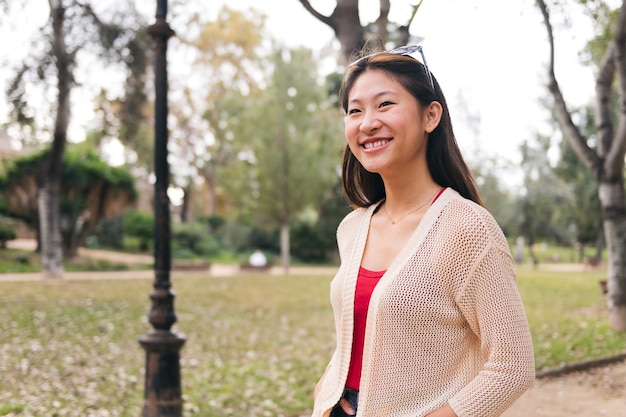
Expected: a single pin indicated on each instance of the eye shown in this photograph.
(385, 104)
(353, 111)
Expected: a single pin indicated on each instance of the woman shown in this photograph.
(429, 321)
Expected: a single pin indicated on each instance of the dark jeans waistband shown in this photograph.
(352, 396)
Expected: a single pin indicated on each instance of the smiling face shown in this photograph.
(385, 127)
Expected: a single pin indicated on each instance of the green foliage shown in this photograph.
(6, 233)
(140, 225)
(226, 51)
(215, 224)
(91, 190)
(315, 241)
(545, 205)
(499, 200)
(191, 240)
(603, 18)
(109, 233)
(585, 215)
(309, 244)
(284, 168)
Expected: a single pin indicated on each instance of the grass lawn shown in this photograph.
(256, 344)
(568, 316)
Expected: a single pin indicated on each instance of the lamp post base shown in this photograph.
(163, 394)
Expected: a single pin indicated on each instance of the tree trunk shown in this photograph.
(185, 207)
(50, 180)
(211, 191)
(349, 31)
(50, 233)
(285, 247)
(345, 22)
(612, 199)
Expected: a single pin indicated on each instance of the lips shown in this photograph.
(375, 143)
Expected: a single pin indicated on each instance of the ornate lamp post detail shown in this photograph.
(163, 394)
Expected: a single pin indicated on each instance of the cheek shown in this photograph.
(350, 134)
(350, 131)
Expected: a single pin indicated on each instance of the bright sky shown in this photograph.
(489, 58)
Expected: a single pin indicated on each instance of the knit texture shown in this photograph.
(445, 324)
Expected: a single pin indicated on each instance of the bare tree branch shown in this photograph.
(404, 36)
(346, 24)
(587, 155)
(381, 23)
(324, 19)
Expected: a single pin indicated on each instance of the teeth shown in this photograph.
(376, 144)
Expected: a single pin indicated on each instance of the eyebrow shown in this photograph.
(377, 95)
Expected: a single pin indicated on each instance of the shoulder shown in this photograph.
(469, 218)
(353, 219)
(352, 224)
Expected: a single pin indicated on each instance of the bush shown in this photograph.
(109, 233)
(193, 238)
(140, 225)
(310, 244)
(6, 233)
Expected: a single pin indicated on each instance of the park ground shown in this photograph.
(593, 390)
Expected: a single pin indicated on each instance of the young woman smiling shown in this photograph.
(428, 318)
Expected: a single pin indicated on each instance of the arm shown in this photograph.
(318, 386)
(493, 308)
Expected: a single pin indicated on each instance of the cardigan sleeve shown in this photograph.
(493, 308)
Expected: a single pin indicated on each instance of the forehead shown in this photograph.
(374, 82)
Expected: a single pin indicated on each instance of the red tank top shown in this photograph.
(365, 283)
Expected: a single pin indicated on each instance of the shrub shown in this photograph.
(109, 233)
(6, 233)
(310, 244)
(140, 225)
(194, 238)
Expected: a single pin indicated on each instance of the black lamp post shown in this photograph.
(163, 394)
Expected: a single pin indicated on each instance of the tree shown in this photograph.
(603, 153)
(290, 138)
(90, 191)
(495, 194)
(345, 22)
(546, 201)
(226, 53)
(585, 215)
(73, 26)
(49, 173)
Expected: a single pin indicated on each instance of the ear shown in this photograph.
(432, 116)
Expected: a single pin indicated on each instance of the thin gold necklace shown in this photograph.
(411, 211)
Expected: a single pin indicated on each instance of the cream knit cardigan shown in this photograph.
(445, 323)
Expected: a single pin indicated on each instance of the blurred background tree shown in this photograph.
(74, 34)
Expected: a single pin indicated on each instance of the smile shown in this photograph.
(375, 144)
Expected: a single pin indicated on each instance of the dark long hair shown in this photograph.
(445, 162)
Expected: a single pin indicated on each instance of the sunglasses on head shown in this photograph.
(408, 50)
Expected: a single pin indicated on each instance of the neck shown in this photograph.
(396, 216)
(405, 198)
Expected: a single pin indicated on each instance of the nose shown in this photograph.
(369, 123)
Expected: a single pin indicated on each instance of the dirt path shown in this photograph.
(596, 392)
